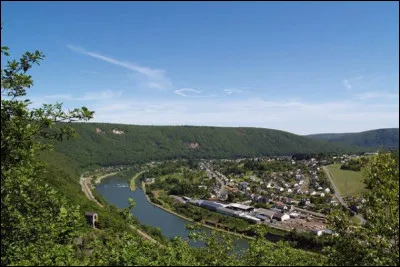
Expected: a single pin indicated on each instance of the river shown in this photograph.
(116, 191)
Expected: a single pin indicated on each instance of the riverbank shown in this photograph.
(86, 189)
(191, 220)
(132, 183)
(98, 179)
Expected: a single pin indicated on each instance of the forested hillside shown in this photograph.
(99, 145)
(379, 138)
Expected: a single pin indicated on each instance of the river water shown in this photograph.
(116, 191)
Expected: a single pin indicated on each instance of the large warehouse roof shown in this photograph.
(239, 206)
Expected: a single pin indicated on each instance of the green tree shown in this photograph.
(265, 253)
(377, 241)
(37, 224)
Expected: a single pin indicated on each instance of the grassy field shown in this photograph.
(347, 182)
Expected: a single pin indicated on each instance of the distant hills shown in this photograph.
(118, 144)
(380, 138)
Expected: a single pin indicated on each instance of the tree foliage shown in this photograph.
(373, 139)
(355, 164)
(376, 242)
(37, 225)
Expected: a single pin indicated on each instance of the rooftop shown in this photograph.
(265, 212)
(239, 206)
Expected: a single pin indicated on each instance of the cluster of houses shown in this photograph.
(286, 194)
(276, 187)
(345, 158)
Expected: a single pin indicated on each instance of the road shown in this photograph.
(217, 176)
(144, 235)
(85, 184)
(338, 196)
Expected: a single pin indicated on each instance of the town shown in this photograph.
(286, 193)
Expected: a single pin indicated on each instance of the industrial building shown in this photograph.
(210, 205)
(269, 214)
(229, 212)
(240, 207)
(251, 218)
(281, 216)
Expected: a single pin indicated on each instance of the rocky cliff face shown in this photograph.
(193, 145)
(115, 131)
(98, 130)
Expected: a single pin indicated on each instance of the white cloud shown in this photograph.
(155, 85)
(189, 92)
(185, 91)
(155, 76)
(107, 94)
(347, 84)
(232, 91)
(100, 95)
(371, 95)
(59, 96)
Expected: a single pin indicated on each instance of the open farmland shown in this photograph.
(347, 182)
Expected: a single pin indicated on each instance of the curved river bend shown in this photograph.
(116, 191)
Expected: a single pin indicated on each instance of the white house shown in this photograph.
(149, 180)
(317, 232)
(327, 190)
(281, 217)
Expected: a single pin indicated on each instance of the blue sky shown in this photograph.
(299, 67)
